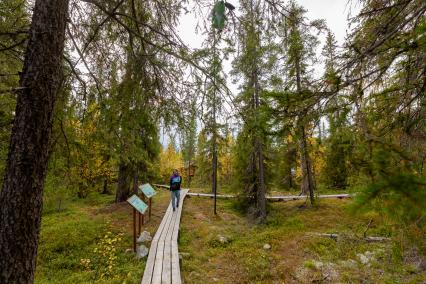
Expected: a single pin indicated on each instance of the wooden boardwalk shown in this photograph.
(162, 265)
(268, 197)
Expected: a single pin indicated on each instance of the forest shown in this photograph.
(99, 97)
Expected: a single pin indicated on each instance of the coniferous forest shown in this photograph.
(99, 97)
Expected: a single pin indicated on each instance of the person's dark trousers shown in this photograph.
(175, 198)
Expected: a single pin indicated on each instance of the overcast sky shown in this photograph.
(335, 12)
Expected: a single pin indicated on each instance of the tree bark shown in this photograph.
(261, 191)
(307, 185)
(123, 186)
(135, 181)
(105, 187)
(22, 195)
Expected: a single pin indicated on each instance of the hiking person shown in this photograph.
(175, 182)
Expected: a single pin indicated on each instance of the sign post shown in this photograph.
(149, 192)
(140, 206)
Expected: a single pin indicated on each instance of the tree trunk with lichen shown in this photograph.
(22, 195)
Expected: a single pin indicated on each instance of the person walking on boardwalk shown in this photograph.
(175, 182)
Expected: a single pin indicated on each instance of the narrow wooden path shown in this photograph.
(270, 198)
(162, 265)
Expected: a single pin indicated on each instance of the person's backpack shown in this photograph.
(175, 183)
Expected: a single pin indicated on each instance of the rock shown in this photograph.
(128, 251)
(144, 237)
(363, 258)
(222, 239)
(141, 252)
(266, 246)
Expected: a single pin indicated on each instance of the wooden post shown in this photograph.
(150, 206)
(134, 230)
(140, 225)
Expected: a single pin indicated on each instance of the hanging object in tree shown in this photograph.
(218, 15)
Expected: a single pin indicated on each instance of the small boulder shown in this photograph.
(141, 252)
(267, 246)
(222, 239)
(363, 258)
(144, 237)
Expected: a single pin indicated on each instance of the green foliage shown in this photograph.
(14, 21)
(401, 196)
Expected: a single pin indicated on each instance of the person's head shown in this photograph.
(175, 172)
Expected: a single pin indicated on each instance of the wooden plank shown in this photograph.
(274, 198)
(211, 195)
(298, 197)
(176, 229)
(176, 278)
(167, 259)
(149, 267)
(163, 260)
(158, 265)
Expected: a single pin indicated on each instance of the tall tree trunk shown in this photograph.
(289, 159)
(123, 185)
(22, 196)
(261, 191)
(214, 130)
(105, 187)
(135, 181)
(307, 185)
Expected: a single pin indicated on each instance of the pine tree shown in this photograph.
(338, 141)
(251, 140)
(300, 48)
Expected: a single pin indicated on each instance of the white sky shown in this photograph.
(335, 12)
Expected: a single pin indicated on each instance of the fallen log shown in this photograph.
(337, 236)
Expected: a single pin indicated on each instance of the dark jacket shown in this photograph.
(175, 182)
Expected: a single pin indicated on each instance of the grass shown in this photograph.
(78, 242)
(85, 229)
(295, 255)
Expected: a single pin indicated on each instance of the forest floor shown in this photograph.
(85, 242)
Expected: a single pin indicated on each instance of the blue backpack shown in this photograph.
(175, 183)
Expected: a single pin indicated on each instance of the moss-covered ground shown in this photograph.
(86, 239)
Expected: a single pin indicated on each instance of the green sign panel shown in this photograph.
(147, 190)
(137, 203)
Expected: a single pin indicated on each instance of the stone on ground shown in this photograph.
(266, 246)
(141, 252)
(144, 237)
